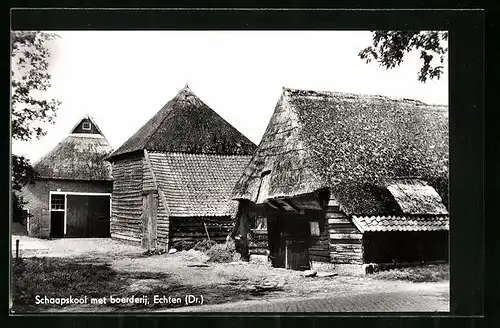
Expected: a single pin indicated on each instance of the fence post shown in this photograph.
(17, 249)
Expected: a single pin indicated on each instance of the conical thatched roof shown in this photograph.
(186, 124)
(351, 145)
(80, 156)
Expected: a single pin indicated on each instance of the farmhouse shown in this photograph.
(70, 196)
(346, 179)
(174, 177)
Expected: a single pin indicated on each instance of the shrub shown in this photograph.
(184, 245)
(204, 245)
(423, 273)
(221, 253)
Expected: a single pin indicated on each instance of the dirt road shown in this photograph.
(192, 271)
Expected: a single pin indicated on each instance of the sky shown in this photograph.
(123, 78)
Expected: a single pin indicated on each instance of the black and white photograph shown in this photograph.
(229, 171)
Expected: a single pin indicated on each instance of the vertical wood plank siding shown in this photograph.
(346, 245)
(126, 207)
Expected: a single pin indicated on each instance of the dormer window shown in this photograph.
(86, 126)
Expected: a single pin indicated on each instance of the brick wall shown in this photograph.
(37, 197)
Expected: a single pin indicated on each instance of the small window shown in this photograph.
(314, 227)
(57, 202)
(260, 225)
(86, 126)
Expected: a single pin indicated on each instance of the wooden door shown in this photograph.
(276, 242)
(77, 213)
(87, 216)
(297, 257)
(99, 210)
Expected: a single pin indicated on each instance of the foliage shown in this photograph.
(61, 278)
(30, 63)
(420, 273)
(29, 75)
(204, 245)
(183, 245)
(221, 253)
(390, 47)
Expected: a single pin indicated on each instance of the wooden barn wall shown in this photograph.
(191, 229)
(319, 249)
(148, 183)
(126, 204)
(37, 197)
(346, 246)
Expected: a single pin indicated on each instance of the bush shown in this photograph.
(221, 253)
(423, 273)
(204, 245)
(184, 245)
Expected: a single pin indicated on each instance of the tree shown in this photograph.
(29, 78)
(390, 47)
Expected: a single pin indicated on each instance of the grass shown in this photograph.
(62, 278)
(421, 273)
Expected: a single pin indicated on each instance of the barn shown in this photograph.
(346, 179)
(173, 178)
(71, 194)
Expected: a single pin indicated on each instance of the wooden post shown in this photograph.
(244, 233)
(17, 249)
(206, 230)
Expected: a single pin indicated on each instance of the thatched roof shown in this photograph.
(198, 184)
(350, 144)
(80, 156)
(186, 124)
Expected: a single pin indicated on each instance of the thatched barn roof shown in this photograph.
(198, 184)
(350, 144)
(80, 156)
(186, 124)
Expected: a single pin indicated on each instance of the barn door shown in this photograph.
(297, 257)
(276, 242)
(77, 224)
(87, 216)
(99, 216)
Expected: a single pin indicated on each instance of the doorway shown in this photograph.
(288, 241)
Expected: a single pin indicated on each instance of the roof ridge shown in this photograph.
(195, 154)
(163, 119)
(310, 92)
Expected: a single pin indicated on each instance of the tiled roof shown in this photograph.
(198, 184)
(401, 223)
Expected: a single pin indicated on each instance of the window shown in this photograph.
(260, 225)
(57, 202)
(314, 227)
(86, 126)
